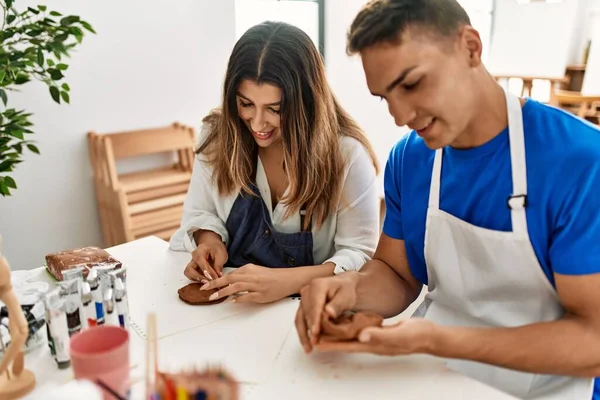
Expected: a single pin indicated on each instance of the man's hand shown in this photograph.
(414, 335)
(332, 295)
(208, 258)
(262, 284)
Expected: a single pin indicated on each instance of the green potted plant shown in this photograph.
(34, 44)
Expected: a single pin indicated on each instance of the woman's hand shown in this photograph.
(262, 284)
(208, 258)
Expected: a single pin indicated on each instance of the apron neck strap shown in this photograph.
(518, 200)
(434, 188)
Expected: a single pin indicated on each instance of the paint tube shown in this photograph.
(107, 288)
(94, 281)
(88, 309)
(73, 273)
(119, 279)
(70, 292)
(34, 312)
(109, 300)
(35, 322)
(50, 297)
(58, 328)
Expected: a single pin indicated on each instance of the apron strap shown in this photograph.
(434, 188)
(517, 202)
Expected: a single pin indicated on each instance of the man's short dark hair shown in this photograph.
(381, 21)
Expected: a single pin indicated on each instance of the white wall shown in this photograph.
(151, 63)
(347, 80)
(303, 14)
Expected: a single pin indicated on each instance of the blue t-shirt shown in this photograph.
(563, 191)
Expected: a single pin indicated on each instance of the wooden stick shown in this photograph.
(151, 356)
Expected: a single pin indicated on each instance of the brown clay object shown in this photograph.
(347, 326)
(191, 294)
(86, 257)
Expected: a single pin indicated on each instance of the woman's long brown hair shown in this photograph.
(312, 121)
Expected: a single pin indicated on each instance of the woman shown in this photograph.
(284, 184)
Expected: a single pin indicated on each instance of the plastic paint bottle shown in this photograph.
(121, 301)
(89, 310)
(94, 282)
(60, 333)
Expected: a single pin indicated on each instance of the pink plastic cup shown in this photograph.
(102, 353)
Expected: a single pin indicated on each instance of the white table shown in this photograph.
(257, 343)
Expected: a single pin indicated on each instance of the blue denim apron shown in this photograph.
(252, 238)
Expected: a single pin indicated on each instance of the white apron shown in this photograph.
(480, 277)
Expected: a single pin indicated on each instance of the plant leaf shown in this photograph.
(61, 38)
(62, 66)
(55, 14)
(33, 10)
(66, 87)
(7, 165)
(11, 18)
(50, 62)
(2, 75)
(42, 8)
(87, 26)
(55, 93)
(48, 21)
(10, 182)
(4, 189)
(33, 148)
(65, 96)
(34, 32)
(55, 74)
(71, 19)
(40, 57)
(3, 96)
(21, 79)
(17, 133)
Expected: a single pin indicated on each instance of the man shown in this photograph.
(493, 202)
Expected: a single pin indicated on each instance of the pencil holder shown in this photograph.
(206, 383)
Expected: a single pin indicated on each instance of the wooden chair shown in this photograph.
(141, 203)
(583, 106)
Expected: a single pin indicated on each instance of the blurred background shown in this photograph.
(155, 62)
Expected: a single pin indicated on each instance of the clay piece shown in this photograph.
(347, 326)
(86, 257)
(191, 294)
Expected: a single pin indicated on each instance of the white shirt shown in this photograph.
(347, 238)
